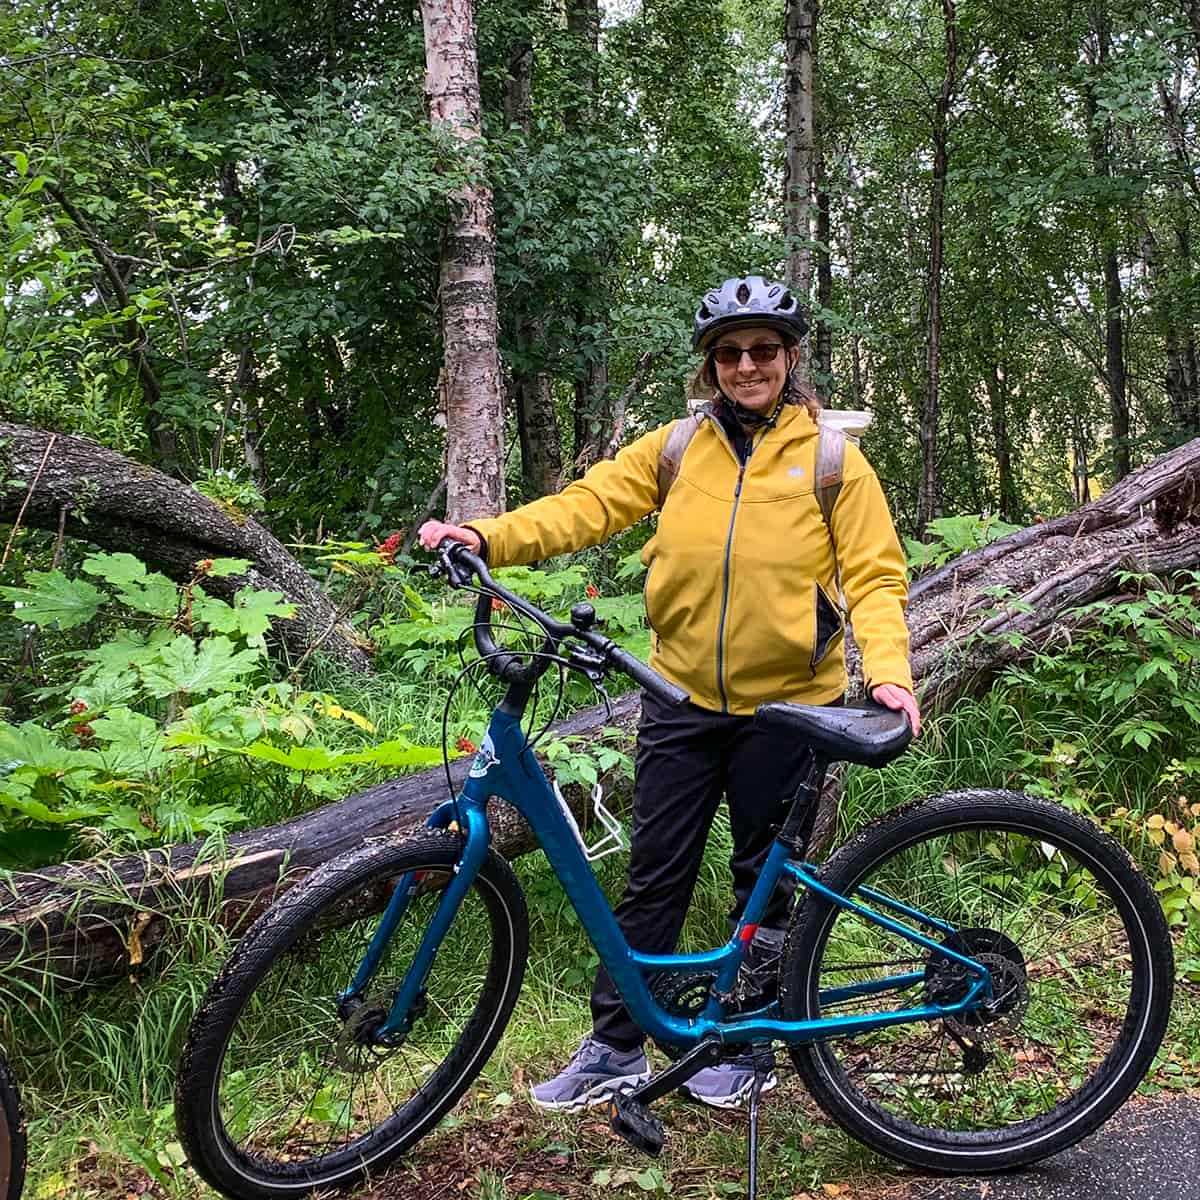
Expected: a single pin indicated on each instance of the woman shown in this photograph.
(740, 587)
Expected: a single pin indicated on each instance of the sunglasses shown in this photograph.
(730, 356)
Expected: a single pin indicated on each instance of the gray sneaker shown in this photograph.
(596, 1072)
(727, 1085)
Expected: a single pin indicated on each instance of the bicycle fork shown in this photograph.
(405, 1004)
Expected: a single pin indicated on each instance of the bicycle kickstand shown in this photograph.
(764, 1064)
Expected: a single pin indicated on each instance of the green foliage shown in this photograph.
(229, 491)
(1131, 673)
(168, 725)
(951, 536)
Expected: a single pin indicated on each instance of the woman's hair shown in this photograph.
(704, 387)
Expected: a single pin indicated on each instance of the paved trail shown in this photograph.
(1149, 1151)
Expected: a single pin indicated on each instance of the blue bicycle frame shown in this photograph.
(506, 767)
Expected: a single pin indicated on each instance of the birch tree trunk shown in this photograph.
(929, 500)
(800, 24)
(467, 277)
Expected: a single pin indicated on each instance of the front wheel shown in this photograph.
(12, 1137)
(282, 1088)
(1081, 974)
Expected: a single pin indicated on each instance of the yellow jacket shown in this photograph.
(740, 590)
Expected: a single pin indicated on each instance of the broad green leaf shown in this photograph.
(249, 616)
(127, 651)
(229, 566)
(118, 569)
(53, 599)
(29, 748)
(35, 810)
(142, 590)
(128, 820)
(134, 745)
(181, 666)
(296, 758)
(155, 595)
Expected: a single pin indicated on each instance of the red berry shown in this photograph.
(465, 745)
(204, 566)
(591, 592)
(497, 604)
(389, 546)
(79, 706)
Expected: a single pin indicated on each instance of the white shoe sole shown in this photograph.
(596, 1094)
(734, 1101)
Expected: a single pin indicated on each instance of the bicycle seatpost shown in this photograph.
(802, 814)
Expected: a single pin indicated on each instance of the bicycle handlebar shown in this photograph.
(459, 564)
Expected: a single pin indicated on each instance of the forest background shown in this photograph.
(225, 231)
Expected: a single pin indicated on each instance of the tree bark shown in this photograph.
(1100, 144)
(592, 417)
(1008, 498)
(822, 335)
(961, 634)
(929, 498)
(123, 505)
(532, 388)
(467, 284)
(800, 24)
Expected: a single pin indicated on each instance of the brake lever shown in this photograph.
(456, 575)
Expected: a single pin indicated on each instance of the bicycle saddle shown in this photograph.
(859, 733)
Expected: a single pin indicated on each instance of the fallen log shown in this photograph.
(968, 620)
(87, 921)
(100, 496)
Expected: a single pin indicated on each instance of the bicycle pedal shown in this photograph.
(633, 1121)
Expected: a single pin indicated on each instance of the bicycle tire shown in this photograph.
(925, 1104)
(12, 1137)
(269, 1069)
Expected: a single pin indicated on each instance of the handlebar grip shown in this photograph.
(646, 678)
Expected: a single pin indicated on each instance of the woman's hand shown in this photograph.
(892, 695)
(433, 533)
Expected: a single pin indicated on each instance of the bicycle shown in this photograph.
(972, 983)
(12, 1136)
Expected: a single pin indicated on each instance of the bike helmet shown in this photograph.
(738, 303)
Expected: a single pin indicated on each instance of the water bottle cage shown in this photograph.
(613, 839)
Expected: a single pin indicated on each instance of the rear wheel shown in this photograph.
(282, 1091)
(12, 1137)
(1081, 973)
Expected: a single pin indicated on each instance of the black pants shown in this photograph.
(686, 759)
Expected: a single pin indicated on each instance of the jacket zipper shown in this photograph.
(737, 495)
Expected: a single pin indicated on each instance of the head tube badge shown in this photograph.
(485, 759)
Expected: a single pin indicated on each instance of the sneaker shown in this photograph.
(596, 1072)
(727, 1085)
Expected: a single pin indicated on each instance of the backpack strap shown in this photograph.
(830, 460)
(673, 451)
